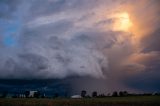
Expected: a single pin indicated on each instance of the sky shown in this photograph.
(102, 45)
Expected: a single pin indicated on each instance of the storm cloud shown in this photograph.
(56, 39)
(43, 47)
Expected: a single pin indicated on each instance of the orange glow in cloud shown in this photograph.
(122, 22)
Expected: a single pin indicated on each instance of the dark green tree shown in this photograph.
(37, 94)
(123, 93)
(115, 94)
(94, 94)
(83, 93)
(56, 95)
(4, 94)
(27, 94)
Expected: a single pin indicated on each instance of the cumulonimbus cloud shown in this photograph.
(65, 39)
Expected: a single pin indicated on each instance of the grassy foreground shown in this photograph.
(108, 101)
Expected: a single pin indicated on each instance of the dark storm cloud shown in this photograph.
(48, 87)
(148, 81)
(151, 43)
(8, 7)
(50, 29)
(148, 77)
(24, 64)
(56, 6)
(61, 38)
(47, 50)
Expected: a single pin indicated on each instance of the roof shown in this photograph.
(76, 96)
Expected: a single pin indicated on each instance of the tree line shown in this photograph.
(114, 94)
(83, 94)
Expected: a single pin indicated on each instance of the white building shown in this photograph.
(76, 96)
(31, 93)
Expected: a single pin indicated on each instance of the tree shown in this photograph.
(27, 94)
(37, 94)
(43, 95)
(4, 94)
(56, 95)
(101, 95)
(123, 93)
(83, 93)
(115, 94)
(94, 94)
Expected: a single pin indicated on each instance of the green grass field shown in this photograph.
(108, 101)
